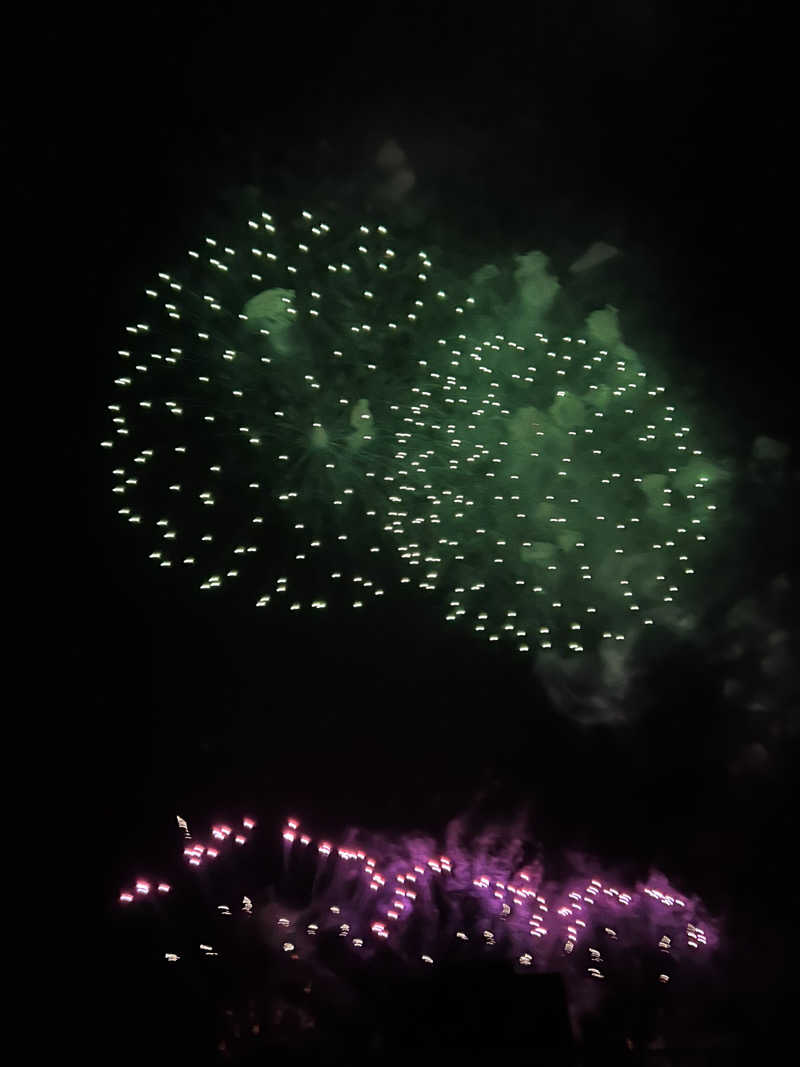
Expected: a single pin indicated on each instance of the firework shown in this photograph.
(320, 414)
(331, 910)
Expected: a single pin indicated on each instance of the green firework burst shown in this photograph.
(315, 411)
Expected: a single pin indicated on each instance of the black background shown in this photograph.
(659, 129)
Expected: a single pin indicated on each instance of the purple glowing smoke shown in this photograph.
(430, 902)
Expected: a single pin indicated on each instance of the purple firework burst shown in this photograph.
(317, 912)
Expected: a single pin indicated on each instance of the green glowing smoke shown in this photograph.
(331, 390)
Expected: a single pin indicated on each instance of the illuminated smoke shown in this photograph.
(318, 415)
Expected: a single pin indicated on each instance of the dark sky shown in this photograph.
(658, 129)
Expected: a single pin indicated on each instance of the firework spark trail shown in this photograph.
(479, 893)
(345, 403)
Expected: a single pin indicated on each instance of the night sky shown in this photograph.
(658, 131)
